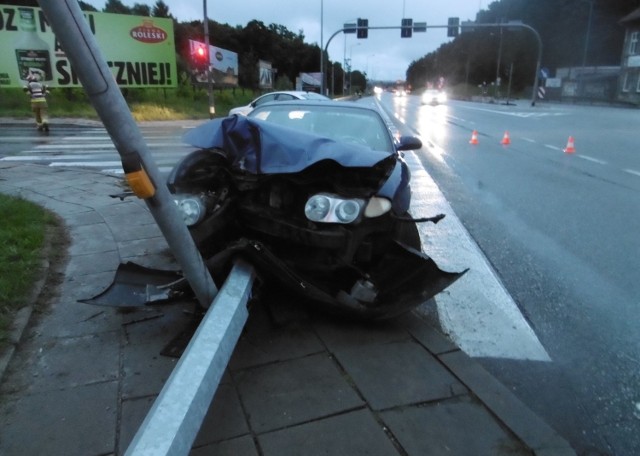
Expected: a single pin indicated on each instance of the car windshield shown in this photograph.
(357, 126)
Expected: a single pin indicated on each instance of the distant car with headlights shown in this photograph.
(286, 95)
(434, 97)
(316, 197)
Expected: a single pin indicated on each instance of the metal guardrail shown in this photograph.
(176, 416)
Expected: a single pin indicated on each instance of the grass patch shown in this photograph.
(145, 104)
(22, 235)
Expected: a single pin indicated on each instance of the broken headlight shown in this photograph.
(191, 208)
(327, 208)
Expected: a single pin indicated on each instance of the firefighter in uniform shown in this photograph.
(37, 92)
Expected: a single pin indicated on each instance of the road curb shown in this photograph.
(535, 433)
(22, 317)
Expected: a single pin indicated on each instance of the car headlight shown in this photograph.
(191, 208)
(376, 207)
(326, 208)
(317, 207)
(347, 211)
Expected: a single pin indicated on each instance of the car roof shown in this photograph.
(293, 92)
(320, 103)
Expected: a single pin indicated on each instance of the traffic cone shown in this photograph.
(505, 139)
(571, 148)
(474, 137)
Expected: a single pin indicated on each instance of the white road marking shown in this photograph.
(477, 312)
(549, 146)
(120, 171)
(86, 164)
(591, 159)
(522, 114)
(98, 152)
(632, 171)
(104, 145)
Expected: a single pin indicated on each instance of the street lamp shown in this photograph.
(369, 77)
(322, 47)
(344, 59)
(369, 56)
(351, 60)
(586, 38)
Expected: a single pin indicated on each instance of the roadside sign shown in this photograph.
(349, 27)
(139, 50)
(419, 27)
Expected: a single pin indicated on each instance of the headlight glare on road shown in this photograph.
(328, 208)
(191, 208)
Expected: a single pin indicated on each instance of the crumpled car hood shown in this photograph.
(262, 147)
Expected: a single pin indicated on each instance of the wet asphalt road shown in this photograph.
(561, 229)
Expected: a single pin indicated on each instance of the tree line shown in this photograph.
(286, 50)
(573, 33)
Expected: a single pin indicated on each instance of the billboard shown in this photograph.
(222, 63)
(309, 82)
(265, 75)
(139, 50)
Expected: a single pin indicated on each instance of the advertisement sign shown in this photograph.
(223, 65)
(309, 82)
(139, 50)
(265, 75)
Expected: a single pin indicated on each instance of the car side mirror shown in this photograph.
(409, 143)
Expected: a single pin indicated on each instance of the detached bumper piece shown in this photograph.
(136, 286)
(404, 279)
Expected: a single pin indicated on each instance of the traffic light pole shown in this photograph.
(517, 24)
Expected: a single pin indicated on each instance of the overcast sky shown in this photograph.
(383, 55)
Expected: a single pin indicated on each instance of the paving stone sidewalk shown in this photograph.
(82, 378)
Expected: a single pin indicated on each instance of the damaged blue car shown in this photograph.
(316, 197)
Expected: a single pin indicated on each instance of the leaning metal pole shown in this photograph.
(212, 107)
(81, 48)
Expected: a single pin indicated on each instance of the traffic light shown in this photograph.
(405, 31)
(200, 54)
(363, 28)
(453, 26)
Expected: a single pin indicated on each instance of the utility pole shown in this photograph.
(212, 108)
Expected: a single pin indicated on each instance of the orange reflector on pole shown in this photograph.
(141, 184)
